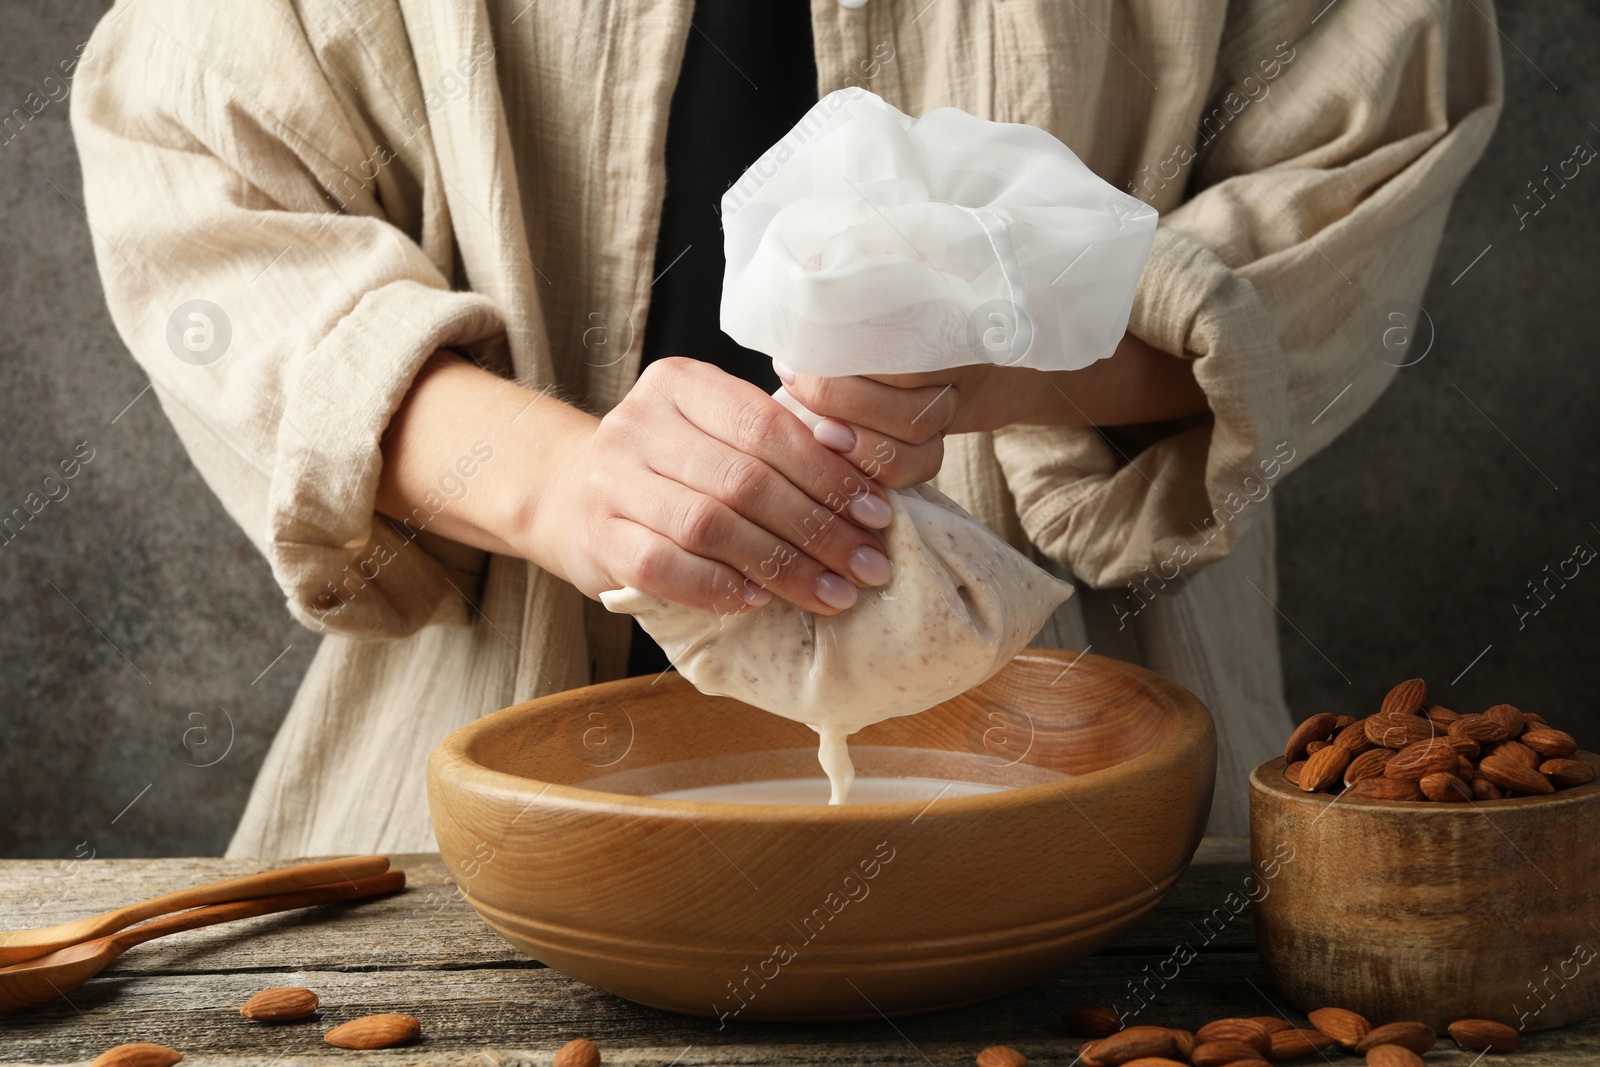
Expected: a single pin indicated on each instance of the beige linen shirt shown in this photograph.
(358, 183)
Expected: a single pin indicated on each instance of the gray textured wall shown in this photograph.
(137, 620)
(134, 611)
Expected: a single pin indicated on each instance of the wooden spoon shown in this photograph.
(38, 981)
(19, 945)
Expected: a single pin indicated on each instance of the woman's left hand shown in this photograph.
(892, 426)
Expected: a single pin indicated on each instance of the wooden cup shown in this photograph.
(760, 911)
(1430, 911)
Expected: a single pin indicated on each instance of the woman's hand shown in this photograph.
(698, 487)
(892, 415)
(701, 488)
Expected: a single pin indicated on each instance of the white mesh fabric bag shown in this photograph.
(867, 242)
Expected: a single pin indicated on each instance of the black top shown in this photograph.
(749, 74)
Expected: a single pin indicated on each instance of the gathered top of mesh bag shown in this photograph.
(868, 242)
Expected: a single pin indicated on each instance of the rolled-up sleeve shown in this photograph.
(1317, 208)
(244, 222)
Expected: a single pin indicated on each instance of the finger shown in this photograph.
(915, 381)
(891, 463)
(655, 564)
(915, 415)
(749, 421)
(706, 527)
(794, 530)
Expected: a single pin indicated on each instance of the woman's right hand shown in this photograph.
(702, 489)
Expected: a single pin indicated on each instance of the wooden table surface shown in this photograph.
(483, 1004)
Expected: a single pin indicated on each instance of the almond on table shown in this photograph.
(1297, 1042)
(1272, 1023)
(581, 1052)
(281, 1004)
(1246, 1031)
(1345, 1027)
(1418, 1037)
(1095, 1021)
(1131, 1044)
(1183, 1043)
(1222, 1053)
(138, 1054)
(1484, 1035)
(1393, 1056)
(375, 1031)
(1263, 1040)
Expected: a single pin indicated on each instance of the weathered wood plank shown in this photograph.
(524, 1015)
(484, 1005)
(431, 924)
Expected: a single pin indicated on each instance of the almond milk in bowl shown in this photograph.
(610, 833)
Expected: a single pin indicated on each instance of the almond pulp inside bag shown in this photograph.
(960, 603)
(866, 242)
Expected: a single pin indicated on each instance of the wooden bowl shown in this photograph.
(766, 911)
(1429, 911)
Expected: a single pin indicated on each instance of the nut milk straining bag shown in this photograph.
(866, 242)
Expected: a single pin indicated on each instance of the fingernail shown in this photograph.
(870, 511)
(870, 566)
(754, 595)
(785, 375)
(835, 591)
(835, 435)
